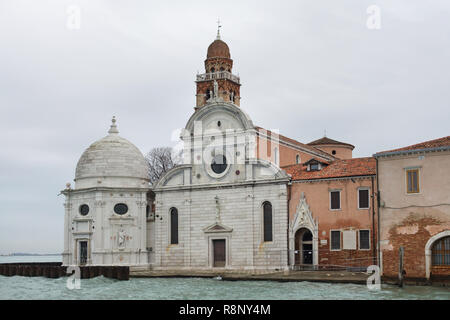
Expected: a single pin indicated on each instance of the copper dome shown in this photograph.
(218, 49)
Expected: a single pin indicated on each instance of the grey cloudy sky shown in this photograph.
(305, 66)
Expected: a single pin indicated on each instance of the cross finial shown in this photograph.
(218, 28)
(113, 128)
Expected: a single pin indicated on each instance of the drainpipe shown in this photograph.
(374, 252)
(289, 186)
(378, 216)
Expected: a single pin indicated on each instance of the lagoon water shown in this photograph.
(196, 288)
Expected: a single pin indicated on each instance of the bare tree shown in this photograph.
(160, 160)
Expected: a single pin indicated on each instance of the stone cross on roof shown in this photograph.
(218, 29)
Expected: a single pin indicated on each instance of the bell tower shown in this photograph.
(218, 82)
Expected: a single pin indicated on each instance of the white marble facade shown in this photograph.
(226, 205)
(111, 172)
(221, 203)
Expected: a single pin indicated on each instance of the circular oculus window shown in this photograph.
(219, 164)
(84, 209)
(121, 208)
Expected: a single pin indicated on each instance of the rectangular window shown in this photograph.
(335, 200)
(412, 181)
(335, 240)
(364, 239)
(363, 198)
(349, 240)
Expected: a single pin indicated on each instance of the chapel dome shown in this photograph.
(111, 157)
(218, 49)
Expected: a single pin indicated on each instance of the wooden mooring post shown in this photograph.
(401, 252)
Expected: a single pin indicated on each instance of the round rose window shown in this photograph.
(121, 208)
(84, 209)
(219, 164)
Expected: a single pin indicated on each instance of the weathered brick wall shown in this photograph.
(225, 88)
(412, 234)
(348, 258)
(411, 220)
(219, 64)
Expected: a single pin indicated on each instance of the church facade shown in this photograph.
(244, 198)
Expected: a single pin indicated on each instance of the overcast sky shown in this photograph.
(305, 67)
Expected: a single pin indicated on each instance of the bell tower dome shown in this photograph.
(218, 78)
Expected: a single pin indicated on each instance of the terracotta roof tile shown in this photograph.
(436, 143)
(326, 140)
(337, 169)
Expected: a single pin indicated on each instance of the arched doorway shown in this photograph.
(303, 247)
(437, 253)
(440, 253)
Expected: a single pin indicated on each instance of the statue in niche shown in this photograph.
(216, 89)
(122, 237)
(302, 216)
(217, 209)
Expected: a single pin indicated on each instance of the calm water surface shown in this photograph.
(197, 288)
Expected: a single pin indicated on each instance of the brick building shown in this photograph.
(333, 213)
(414, 192)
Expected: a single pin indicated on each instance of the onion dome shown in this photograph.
(112, 162)
(218, 49)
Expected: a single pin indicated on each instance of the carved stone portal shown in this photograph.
(303, 219)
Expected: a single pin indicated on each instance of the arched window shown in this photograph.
(267, 208)
(297, 159)
(213, 70)
(232, 96)
(440, 253)
(173, 226)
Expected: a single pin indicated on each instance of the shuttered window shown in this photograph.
(173, 226)
(335, 199)
(363, 197)
(267, 221)
(364, 239)
(335, 240)
(412, 180)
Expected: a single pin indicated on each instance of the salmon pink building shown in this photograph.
(333, 213)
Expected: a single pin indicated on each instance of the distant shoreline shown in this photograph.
(29, 254)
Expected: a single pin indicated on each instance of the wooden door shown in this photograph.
(219, 253)
(83, 252)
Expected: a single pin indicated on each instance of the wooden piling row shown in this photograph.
(56, 270)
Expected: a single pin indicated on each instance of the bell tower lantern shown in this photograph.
(218, 78)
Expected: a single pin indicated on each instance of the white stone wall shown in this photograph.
(240, 209)
(100, 227)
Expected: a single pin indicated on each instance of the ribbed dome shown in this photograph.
(218, 49)
(111, 157)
